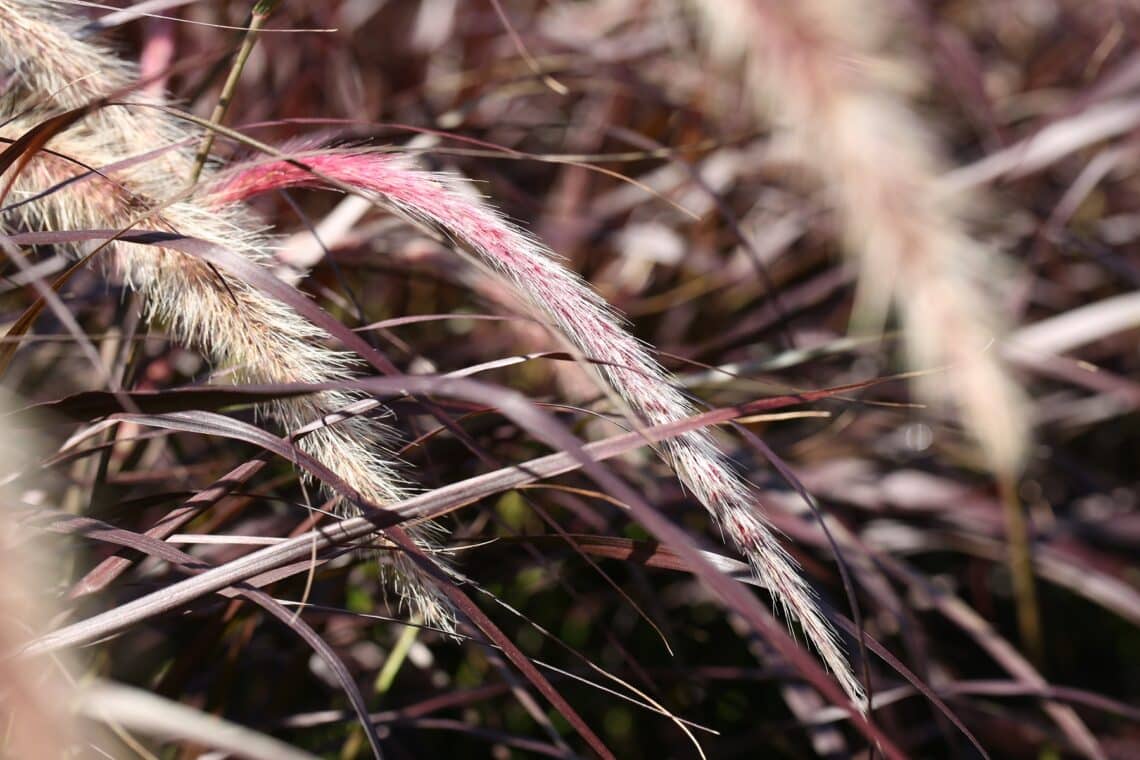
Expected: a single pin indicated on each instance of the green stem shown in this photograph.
(261, 12)
(396, 659)
(1021, 571)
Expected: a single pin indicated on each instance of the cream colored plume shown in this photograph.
(818, 70)
(52, 71)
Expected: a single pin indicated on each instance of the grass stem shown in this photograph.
(260, 14)
(1021, 570)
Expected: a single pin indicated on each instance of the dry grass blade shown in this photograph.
(21, 326)
(654, 555)
(1005, 654)
(149, 713)
(109, 569)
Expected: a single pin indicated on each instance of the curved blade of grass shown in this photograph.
(88, 405)
(548, 635)
(149, 713)
(21, 150)
(105, 573)
(49, 297)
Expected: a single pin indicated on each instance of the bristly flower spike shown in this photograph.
(585, 322)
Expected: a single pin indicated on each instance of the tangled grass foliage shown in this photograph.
(288, 375)
(78, 184)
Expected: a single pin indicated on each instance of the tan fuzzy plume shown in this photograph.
(816, 68)
(50, 71)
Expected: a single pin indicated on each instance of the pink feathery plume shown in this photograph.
(583, 320)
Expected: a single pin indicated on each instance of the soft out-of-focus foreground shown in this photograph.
(887, 249)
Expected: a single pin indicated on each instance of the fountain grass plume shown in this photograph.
(579, 317)
(818, 69)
